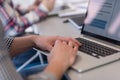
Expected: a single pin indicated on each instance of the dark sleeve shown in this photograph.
(8, 42)
(7, 69)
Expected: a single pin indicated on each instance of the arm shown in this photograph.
(58, 65)
(22, 8)
(37, 14)
(65, 48)
(7, 70)
(67, 53)
(21, 44)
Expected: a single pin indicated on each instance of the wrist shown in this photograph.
(56, 68)
(33, 38)
(43, 8)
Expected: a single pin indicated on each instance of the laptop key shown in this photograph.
(95, 49)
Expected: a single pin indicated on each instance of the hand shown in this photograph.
(61, 57)
(64, 52)
(47, 43)
(37, 2)
(49, 4)
(35, 5)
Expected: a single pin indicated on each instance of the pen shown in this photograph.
(66, 21)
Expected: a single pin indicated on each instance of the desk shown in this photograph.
(55, 26)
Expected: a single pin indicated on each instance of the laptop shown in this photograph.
(100, 36)
(77, 21)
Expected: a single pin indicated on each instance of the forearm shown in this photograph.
(53, 71)
(56, 69)
(32, 17)
(23, 9)
(35, 15)
(21, 44)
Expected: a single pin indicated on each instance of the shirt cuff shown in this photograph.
(43, 8)
(5, 45)
(8, 43)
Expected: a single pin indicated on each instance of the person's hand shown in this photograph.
(64, 52)
(61, 57)
(49, 4)
(35, 5)
(47, 43)
(37, 2)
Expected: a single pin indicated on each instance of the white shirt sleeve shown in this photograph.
(36, 15)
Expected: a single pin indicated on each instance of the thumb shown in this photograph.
(49, 48)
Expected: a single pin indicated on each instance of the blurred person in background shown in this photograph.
(15, 23)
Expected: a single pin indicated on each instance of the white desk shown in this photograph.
(55, 26)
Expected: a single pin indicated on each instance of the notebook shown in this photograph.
(77, 21)
(100, 36)
(75, 9)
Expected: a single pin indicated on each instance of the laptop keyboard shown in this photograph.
(94, 49)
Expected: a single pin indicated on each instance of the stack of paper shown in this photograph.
(75, 9)
(23, 3)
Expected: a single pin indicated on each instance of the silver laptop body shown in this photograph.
(102, 21)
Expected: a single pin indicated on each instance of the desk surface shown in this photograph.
(55, 26)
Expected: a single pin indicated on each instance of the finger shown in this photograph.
(75, 50)
(64, 42)
(71, 44)
(57, 42)
(68, 39)
(76, 41)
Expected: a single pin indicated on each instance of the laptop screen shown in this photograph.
(103, 19)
